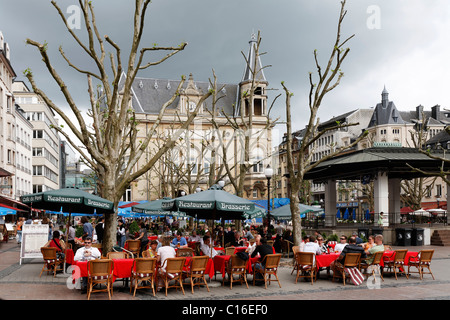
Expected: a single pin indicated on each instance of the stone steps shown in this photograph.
(440, 238)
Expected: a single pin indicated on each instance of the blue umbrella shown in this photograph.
(338, 214)
(346, 214)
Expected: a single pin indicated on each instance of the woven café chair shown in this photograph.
(236, 266)
(295, 249)
(286, 246)
(374, 265)
(185, 252)
(395, 261)
(143, 270)
(174, 271)
(423, 260)
(352, 260)
(270, 242)
(305, 266)
(117, 255)
(229, 251)
(134, 246)
(51, 262)
(196, 271)
(272, 261)
(100, 273)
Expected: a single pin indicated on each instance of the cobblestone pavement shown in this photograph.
(22, 282)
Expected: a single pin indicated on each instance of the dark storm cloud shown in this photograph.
(398, 54)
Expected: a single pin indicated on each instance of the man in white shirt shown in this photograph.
(87, 252)
(194, 237)
(340, 246)
(207, 249)
(312, 246)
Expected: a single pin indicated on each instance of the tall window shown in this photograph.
(257, 160)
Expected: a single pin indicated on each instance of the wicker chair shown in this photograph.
(185, 252)
(295, 249)
(143, 271)
(305, 266)
(196, 271)
(270, 243)
(134, 246)
(352, 260)
(272, 261)
(236, 266)
(374, 265)
(117, 255)
(286, 247)
(229, 251)
(100, 272)
(395, 261)
(174, 271)
(422, 261)
(51, 262)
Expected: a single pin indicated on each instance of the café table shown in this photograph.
(221, 261)
(121, 268)
(390, 255)
(209, 267)
(325, 260)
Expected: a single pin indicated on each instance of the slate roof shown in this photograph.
(150, 94)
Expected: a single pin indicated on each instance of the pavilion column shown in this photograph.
(381, 195)
(330, 203)
(394, 200)
(448, 198)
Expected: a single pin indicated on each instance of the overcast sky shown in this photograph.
(400, 44)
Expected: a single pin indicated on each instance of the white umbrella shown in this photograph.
(421, 212)
(439, 211)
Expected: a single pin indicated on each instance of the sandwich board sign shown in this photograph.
(34, 236)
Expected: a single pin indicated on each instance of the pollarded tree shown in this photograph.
(329, 78)
(109, 145)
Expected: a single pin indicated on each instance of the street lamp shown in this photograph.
(269, 173)
(183, 193)
(221, 183)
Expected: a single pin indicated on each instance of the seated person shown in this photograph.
(207, 249)
(238, 241)
(194, 237)
(322, 245)
(351, 247)
(312, 246)
(152, 250)
(262, 249)
(305, 240)
(58, 243)
(340, 246)
(164, 252)
(87, 252)
(377, 247)
(179, 242)
(369, 244)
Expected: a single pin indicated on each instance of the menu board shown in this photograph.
(34, 236)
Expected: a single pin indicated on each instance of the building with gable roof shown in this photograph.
(197, 161)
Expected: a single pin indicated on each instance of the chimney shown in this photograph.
(436, 112)
(419, 112)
